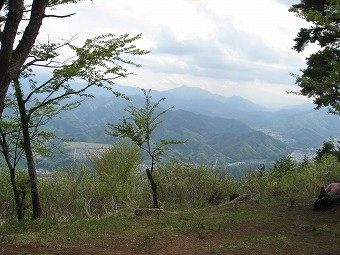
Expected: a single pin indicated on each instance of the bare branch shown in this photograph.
(40, 87)
(2, 2)
(60, 16)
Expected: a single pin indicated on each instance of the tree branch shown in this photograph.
(29, 36)
(60, 16)
(9, 33)
(66, 94)
(2, 2)
(40, 87)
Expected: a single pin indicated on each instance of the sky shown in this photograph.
(232, 48)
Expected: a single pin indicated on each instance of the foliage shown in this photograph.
(282, 167)
(139, 129)
(321, 78)
(7, 201)
(117, 186)
(293, 181)
(328, 149)
(118, 171)
(21, 22)
(74, 193)
(140, 126)
(79, 192)
(97, 63)
(185, 184)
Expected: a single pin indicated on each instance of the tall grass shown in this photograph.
(298, 182)
(105, 189)
(183, 184)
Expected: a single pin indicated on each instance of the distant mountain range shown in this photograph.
(301, 126)
(217, 128)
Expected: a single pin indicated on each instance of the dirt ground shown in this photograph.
(298, 230)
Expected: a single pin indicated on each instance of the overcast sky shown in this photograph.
(228, 47)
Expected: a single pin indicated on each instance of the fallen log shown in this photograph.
(240, 199)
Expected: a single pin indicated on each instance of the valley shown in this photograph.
(250, 133)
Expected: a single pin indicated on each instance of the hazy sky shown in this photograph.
(228, 47)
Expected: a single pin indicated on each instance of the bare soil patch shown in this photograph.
(260, 230)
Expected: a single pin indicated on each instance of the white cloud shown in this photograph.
(230, 47)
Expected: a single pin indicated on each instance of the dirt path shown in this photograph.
(283, 230)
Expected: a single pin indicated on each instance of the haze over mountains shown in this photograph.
(217, 128)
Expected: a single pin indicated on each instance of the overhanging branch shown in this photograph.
(60, 16)
(2, 2)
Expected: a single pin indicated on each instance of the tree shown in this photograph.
(139, 128)
(321, 78)
(328, 149)
(16, 45)
(118, 170)
(97, 63)
(10, 133)
(282, 167)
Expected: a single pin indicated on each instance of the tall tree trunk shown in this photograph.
(27, 145)
(153, 188)
(4, 84)
(11, 61)
(8, 35)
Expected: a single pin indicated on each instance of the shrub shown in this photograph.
(184, 184)
(7, 202)
(293, 181)
(119, 173)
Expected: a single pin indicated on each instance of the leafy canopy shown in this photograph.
(140, 126)
(98, 62)
(321, 79)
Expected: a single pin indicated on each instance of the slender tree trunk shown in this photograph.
(19, 195)
(153, 188)
(26, 143)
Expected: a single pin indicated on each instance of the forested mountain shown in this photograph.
(209, 138)
(201, 101)
(212, 138)
(300, 129)
(252, 134)
(300, 126)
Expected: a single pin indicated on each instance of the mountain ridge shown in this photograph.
(267, 135)
(208, 137)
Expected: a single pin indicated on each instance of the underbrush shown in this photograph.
(295, 183)
(81, 192)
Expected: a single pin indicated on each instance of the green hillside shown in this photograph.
(209, 138)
